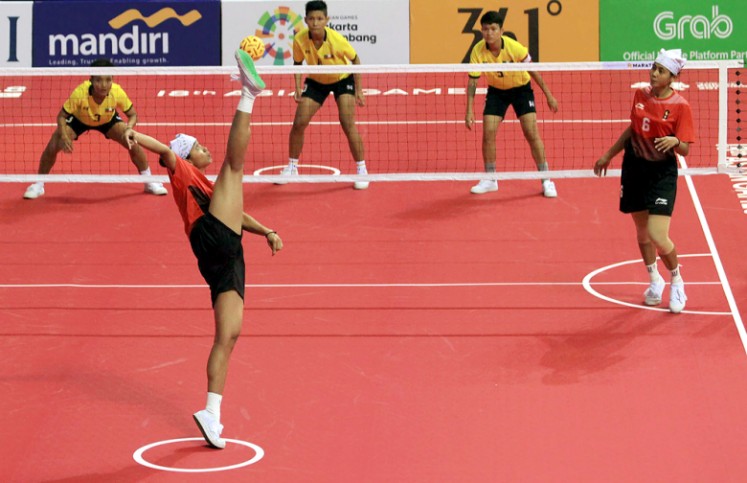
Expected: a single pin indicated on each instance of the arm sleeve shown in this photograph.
(349, 51)
(123, 101)
(72, 103)
(685, 130)
(298, 56)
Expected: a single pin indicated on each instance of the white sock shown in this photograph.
(246, 103)
(146, 172)
(676, 277)
(213, 404)
(361, 165)
(40, 184)
(293, 163)
(653, 272)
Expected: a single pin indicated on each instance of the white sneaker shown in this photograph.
(288, 171)
(484, 186)
(34, 191)
(677, 297)
(155, 189)
(210, 428)
(249, 77)
(652, 295)
(548, 189)
(361, 185)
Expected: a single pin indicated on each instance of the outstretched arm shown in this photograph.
(551, 101)
(168, 158)
(249, 224)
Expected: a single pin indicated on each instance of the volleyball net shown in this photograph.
(412, 124)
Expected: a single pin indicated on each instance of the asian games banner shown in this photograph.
(379, 30)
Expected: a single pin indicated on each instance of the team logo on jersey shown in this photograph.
(666, 115)
(639, 105)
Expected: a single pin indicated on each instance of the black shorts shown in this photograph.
(498, 100)
(319, 92)
(647, 185)
(79, 128)
(220, 256)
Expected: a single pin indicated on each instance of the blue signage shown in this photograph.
(145, 33)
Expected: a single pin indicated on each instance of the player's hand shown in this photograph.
(600, 167)
(297, 96)
(67, 143)
(129, 137)
(274, 242)
(666, 143)
(360, 98)
(469, 120)
(552, 103)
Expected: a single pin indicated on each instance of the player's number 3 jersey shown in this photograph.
(511, 52)
(81, 105)
(336, 50)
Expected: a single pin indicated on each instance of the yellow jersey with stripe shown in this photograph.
(511, 51)
(336, 50)
(81, 104)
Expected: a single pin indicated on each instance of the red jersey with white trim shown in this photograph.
(652, 118)
(192, 192)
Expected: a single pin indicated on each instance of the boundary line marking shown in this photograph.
(716, 258)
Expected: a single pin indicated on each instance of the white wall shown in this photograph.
(21, 12)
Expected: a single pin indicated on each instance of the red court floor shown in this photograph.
(410, 332)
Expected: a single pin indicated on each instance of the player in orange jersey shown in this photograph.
(661, 126)
(214, 220)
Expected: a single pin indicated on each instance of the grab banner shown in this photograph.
(704, 30)
(553, 30)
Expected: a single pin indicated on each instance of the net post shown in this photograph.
(723, 112)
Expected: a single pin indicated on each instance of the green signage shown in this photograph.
(635, 30)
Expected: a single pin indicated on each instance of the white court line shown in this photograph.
(716, 259)
(587, 283)
(325, 285)
(337, 123)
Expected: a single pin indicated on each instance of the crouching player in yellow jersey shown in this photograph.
(93, 105)
(321, 45)
(506, 88)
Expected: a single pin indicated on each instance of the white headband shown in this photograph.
(182, 144)
(671, 60)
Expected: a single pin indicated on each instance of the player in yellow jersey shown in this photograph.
(321, 45)
(506, 88)
(93, 105)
